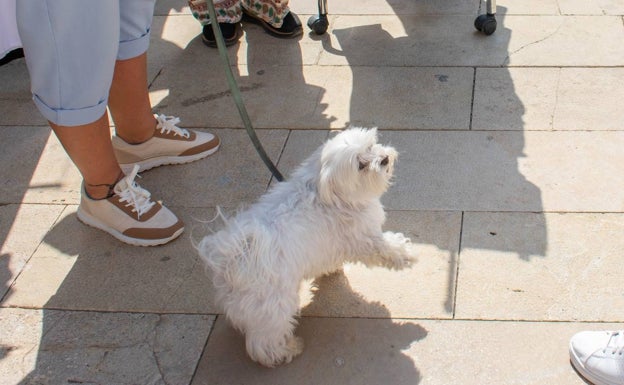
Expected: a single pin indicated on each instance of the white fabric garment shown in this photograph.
(9, 38)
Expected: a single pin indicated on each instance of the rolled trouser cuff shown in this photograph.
(71, 117)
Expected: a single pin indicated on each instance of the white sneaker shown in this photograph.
(169, 145)
(599, 356)
(130, 215)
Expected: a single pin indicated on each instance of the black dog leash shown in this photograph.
(236, 94)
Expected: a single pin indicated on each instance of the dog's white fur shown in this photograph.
(326, 214)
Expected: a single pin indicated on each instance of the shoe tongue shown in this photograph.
(121, 185)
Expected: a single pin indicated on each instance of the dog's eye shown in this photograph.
(362, 165)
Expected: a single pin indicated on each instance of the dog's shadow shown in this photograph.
(355, 350)
(338, 350)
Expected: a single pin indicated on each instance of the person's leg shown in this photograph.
(70, 56)
(228, 11)
(141, 138)
(69, 90)
(128, 99)
(229, 14)
(71, 59)
(129, 102)
(95, 161)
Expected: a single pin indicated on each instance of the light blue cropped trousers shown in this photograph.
(71, 47)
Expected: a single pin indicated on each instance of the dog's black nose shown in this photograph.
(384, 161)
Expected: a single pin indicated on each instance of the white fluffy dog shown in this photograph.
(326, 214)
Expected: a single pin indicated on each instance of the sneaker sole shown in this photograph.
(94, 222)
(583, 372)
(150, 163)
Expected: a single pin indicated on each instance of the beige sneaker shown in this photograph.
(169, 145)
(130, 215)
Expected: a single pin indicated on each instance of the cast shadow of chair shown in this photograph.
(481, 173)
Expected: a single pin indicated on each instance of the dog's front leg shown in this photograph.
(391, 250)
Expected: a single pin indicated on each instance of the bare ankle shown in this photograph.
(139, 136)
(99, 191)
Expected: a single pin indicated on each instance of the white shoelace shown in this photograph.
(167, 124)
(616, 343)
(133, 195)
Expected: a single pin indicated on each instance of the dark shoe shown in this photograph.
(291, 27)
(231, 33)
(15, 54)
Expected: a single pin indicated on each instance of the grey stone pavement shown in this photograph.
(510, 181)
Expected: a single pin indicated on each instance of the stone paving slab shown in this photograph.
(548, 99)
(407, 98)
(433, 7)
(564, 41)
(528, 7)
(531, 171)
(169, 40)
(299, 105)
(81, 268)
(426, 290)
(427, 7)
(232, 176)
(23, 146)
(300, 145)
(22, 228)
(304, 9)
(591, 7)
(567, 272)
(408, 40)
(327, 97)
(382, 351)
(42, 171)
(47, 175)
(560, 7)
(390, 7)
(16, 105)
(54, 347)
(574, 277)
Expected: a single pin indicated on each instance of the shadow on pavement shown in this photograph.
(338, 351)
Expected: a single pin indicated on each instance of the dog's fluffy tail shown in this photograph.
(237, 255)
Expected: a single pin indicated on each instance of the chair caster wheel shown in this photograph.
(486, 24)
(318, 24)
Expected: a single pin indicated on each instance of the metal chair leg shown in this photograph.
(319, 24)
(487, 23)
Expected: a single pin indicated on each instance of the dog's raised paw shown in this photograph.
(401, 251)
(399, 262)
